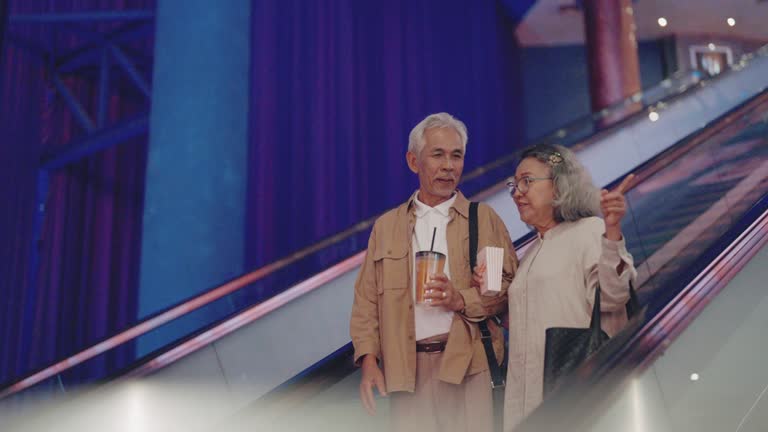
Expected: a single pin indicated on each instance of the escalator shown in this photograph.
(690, 200)
(691, 203)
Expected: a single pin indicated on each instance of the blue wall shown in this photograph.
(556, 83)
(194, 212)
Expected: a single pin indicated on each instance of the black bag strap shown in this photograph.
(473, 235)
(633, 305)
(497, 376)
(594, 324)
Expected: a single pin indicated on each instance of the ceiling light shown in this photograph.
(662, 22)
(711, 46)
(694, 377)
(731, 22)
(653, 116)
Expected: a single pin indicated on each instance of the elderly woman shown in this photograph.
(575, 252)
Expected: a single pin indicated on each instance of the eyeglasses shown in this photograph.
(523, 185)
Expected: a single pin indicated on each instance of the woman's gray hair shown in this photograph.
(576, 196)
(438, 120)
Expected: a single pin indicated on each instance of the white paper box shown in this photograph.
(493, 258)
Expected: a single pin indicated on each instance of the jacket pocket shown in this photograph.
(391, 268)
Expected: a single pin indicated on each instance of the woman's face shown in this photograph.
(535, 204)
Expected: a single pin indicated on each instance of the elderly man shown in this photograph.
(428, 356)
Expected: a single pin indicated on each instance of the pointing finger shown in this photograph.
(624, 186)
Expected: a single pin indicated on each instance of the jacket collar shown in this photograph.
(461, 204)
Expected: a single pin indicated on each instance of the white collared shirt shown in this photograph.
(431, 320)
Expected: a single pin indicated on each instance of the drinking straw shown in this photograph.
(434, 231)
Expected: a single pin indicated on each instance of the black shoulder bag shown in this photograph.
(565, 349)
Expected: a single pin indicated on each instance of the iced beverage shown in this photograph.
(427, 264)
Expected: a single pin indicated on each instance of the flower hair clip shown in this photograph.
(555, 158)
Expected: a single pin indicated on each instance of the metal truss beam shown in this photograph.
(98, 141)
(104, 44)
(89, 16)
(99, 50)
(131, 70)
(90, 53)
(82, 117)
(102, 50)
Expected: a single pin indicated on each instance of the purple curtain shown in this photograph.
(21, 90)
(337, 86)
(89, 246)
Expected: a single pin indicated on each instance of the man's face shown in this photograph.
(439, 165)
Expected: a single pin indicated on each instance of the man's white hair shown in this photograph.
(437, 120)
